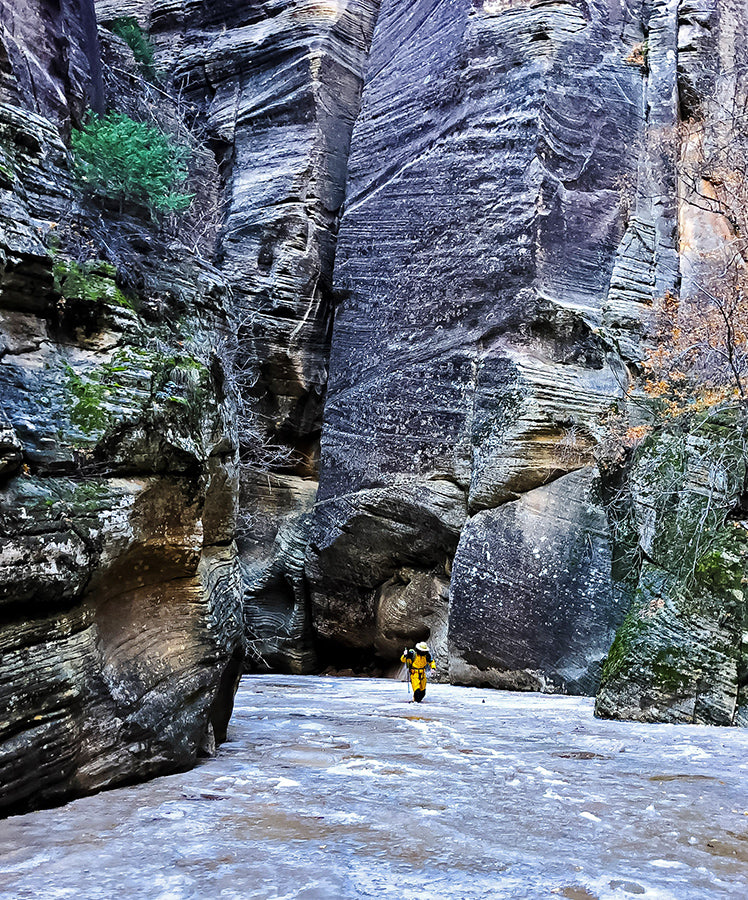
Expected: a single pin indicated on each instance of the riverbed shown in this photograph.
(336, 788)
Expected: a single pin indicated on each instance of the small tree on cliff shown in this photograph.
(123, 160)
(700, 357)
(127, 28)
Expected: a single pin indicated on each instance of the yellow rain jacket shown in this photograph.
(417, 662)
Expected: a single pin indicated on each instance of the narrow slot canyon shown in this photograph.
(333, 327)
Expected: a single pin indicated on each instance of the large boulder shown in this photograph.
(533, 606)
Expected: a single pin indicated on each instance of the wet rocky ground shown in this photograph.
(340, 788)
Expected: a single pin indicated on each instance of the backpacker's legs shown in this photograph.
(418, 683)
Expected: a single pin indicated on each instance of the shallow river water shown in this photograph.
(333, 788)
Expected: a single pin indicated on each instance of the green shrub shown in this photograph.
(132, 34)
(124, 160)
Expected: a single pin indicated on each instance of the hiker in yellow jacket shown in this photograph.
(417, 662)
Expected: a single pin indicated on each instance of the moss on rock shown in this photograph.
(677, 655)
(93, 282)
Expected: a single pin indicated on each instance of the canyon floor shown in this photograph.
(335, 788)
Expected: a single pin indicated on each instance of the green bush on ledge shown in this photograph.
(127, 161)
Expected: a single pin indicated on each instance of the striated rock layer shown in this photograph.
(678, 502)
(513, 210)
(277, 86)
(681, 653)
(485, 225)
(49, 57)
(484, 196)
(120, 618)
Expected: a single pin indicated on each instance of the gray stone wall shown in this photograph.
(484, 218)
(120, 617)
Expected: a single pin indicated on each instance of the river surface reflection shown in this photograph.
(333, 788)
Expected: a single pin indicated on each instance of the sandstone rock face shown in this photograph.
(680, 655)
(282, 83)
(444, 226)
(37, 32)
(381, 573)
(274, 520)
(513, 210)
(485, 220)
(531, 591)
(121, 618)
(678, 511)
(277, 85)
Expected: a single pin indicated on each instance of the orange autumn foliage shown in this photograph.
(700, 358)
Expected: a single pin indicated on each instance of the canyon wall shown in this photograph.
(679, 508)
(509, 211)
(277, 87)
(516, 209)
(121, 624)
(446, 226)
